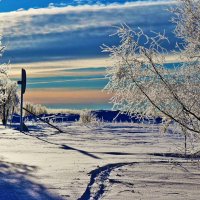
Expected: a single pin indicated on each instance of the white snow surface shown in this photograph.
(112, 161)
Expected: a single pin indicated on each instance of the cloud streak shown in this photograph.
(56, 96)
(56, 33)
(72, 18)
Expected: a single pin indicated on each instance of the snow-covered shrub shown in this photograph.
(87, 118)
(37, 109)
(140, 82)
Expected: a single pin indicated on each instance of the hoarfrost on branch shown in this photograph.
(141, 83)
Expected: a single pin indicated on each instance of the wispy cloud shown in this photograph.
(74, 31)
(72, 18)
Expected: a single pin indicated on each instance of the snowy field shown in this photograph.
(112, 161)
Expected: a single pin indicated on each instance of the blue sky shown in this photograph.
(47, 37)
(59, 30)
(10, 5)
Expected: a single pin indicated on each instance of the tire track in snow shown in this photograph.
(101, 174)
(98, 177)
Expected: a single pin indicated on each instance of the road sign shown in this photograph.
(23, 81)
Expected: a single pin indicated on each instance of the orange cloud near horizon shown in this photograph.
(62, 96)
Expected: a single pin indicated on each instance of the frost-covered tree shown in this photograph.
(187, 20)
(9, 99)
(141, 83)
(8, 92)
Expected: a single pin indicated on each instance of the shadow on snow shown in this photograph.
(177, 155)
(16, 183)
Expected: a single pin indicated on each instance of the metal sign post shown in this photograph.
(23, 127)
(23, 89)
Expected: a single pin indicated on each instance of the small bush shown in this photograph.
(87, 118)
(37, 109)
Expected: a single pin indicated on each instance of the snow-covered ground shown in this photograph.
(114, 161)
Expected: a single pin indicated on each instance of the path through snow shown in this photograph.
(115, 161)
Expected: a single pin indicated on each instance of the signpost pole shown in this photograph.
(21, 112)
(23, 89)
